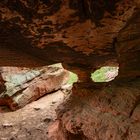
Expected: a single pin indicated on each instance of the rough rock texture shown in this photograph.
(33, 121)
(89, 113)
(75, 32)
(84, 35)
(109, 113)
(128, 49)
(24, 85)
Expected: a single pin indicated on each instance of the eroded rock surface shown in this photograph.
(109, 113)
(89, 113)
(24, 85)
(33, 121)
(84, 35)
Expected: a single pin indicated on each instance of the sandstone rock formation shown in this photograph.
(109, 113)
(23, 85)
(33, 121)
(80, 32)
(83, 35)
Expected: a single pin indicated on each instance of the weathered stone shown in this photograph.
(128, 49)
(28, 123)
(109, 113)
(24, 85)
(80, 34)
(84, 35)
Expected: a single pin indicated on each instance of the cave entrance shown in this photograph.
(105, 74)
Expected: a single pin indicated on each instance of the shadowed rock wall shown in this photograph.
(79, 33)
(84, 35)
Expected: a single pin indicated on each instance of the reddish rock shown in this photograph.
(84, 35)
(110, 113)
(24, 85)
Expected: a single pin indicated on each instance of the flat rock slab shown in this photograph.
(33, 121)
(20, 86)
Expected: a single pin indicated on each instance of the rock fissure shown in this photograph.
(134, 107)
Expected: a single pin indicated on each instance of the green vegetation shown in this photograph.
(104, 74)
(73, 78)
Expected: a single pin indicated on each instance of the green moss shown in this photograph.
(104, 74)
(73, 78)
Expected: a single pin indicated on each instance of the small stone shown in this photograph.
(53, 102)
(7, 125)
(37, 108)
(47, 120)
